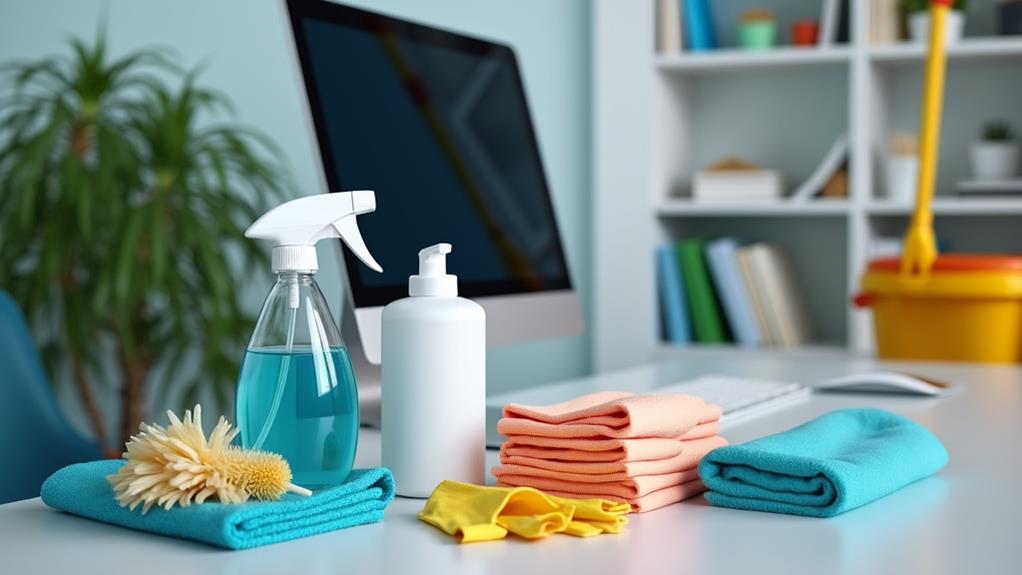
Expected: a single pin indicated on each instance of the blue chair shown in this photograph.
(35, 437)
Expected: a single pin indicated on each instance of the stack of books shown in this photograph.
(884, 21)
(722, 291)
(685, 25)
(734, 180)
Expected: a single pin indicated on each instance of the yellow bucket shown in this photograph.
(949, 307)
(966, 308)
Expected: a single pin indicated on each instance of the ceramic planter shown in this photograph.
(902, 179)
(919, 27)
(994, 160)
(757, 34)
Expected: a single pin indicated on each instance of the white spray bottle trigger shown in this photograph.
(433, 279)
(347, 230)
(294, 228)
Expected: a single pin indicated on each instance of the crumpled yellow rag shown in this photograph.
(477, 513)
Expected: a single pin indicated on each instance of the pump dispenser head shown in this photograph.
(295, 227)
(433, 279)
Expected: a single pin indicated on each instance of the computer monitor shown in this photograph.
(436, 123)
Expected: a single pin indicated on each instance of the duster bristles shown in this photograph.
(178, 465)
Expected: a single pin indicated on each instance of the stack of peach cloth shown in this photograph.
(641, 449)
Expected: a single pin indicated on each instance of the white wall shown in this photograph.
(243, 45)
(622, 276)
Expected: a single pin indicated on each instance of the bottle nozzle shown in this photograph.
(433, 260)
(433, 279)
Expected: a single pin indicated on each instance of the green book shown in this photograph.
(707, 319)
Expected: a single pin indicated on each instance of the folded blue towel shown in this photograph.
(82, 489)
(837, 462)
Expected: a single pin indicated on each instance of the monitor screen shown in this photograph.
(438, 125)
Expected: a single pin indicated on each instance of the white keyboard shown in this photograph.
(741, 398)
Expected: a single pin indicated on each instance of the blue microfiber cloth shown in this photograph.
(837, 462)
(82, 489)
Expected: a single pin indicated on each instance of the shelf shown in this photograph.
(969, 49)
(723, 351)
(686, 207)
(953, 207)
(736, 59)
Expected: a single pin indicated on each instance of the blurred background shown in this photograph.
(140, 138)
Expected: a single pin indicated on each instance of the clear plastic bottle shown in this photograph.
(296, 393)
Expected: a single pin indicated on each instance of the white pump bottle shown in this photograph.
(434, 382)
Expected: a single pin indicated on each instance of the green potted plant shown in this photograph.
(995, 155)
(121, 225)
(918, 14)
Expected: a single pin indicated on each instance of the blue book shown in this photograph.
(722, 258)
(699, 25)
(672, 296)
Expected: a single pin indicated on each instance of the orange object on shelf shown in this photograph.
(805, 33)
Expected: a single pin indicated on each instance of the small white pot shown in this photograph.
(994, 160)
(919, 27)
(902, 179)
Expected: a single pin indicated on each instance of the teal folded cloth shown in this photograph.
(835, 463)
(82, 489)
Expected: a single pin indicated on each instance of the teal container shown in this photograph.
(297, 394)
(757, 34)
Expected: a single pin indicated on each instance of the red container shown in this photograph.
(805, 33)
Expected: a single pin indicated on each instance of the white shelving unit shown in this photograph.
(661, 117)
(730, 59)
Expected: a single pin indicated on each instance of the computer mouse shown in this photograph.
(885, 382)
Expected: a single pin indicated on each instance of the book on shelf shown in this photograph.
(758, 307)
(828, 22)
(722, 257)
(721, 291)
(671, 291)
(883, 21)
(836, 157)
(670, 37)
(698, 21)
(771, 275)
(844, 22)
(835, 22)
(707, 322)
(733, 179)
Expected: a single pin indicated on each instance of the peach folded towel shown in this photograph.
(616, 484)
(689, 457)
(604, 449)
(611, 414)
(650, 501)
(556, 448)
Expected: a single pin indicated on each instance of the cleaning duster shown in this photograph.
(178, 465)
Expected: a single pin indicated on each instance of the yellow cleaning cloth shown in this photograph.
(476, 513)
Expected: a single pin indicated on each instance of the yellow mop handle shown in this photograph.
(920, 246)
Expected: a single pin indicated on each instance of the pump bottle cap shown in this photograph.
(433, 279)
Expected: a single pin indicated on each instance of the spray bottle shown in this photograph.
(297, 394)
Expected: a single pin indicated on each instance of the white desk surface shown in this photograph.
(967, 519)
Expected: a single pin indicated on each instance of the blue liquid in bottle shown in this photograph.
(316, 422)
